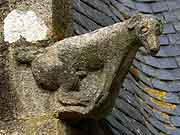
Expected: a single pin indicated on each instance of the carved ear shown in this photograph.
(161, 24)
(133, 21)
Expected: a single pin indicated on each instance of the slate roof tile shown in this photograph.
(154, 130)
(161, 74)
(162, 106)
(131, 124)
(172, 50)
(170, 17)
(175, 120)
(94, 15)
(130, 110)
(174, 38)
(119, 128)
(158, 125)
(100, 6)
(156, 73)
(144, 7)
(159, 7)
(173, 130)
(178, 60)
(162, 63)
(169, 86)
(168, 51)
(130, 85)
(105, 1)
(158, 94)
(143, 77)
(164, 40)
(130, 98)
(129, 3)
(117, 15)
(160, 116)
(177, 26)
(156, 120)
(162, 95)
(169, 62)
(158, 84)
(168, 28)
(146, 1)
(79, 29)
(151, 128)
(174, 85)
(120, 8)
(177, 14)
(85, 22)
(173, 4)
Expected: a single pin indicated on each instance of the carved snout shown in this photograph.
(152, 44)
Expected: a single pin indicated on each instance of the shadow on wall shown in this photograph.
(62, 19)
(90, 127)
(7, 97)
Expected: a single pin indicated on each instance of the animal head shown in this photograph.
(148, 29)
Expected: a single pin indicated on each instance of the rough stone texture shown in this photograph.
(62, 18)
(55, 13)
(31, 101)
(167, 85)
(24, 107)
(87, 71)
(37, 125)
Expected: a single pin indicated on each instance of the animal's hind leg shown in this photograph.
(89, 88)
(72, 96)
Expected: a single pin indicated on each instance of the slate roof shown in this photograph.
(149, 102)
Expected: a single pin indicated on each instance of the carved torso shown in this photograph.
(87, 71)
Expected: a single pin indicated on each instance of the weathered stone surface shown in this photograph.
(30, 100)
(37, 125)
(86, 71)
(56, 14)
(24, 107)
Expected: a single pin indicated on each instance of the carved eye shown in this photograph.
(144, 29)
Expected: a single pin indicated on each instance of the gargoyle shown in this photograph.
(87, 71)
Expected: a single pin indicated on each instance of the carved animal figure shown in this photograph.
(87, 70)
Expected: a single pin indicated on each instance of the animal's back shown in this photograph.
(89, 50)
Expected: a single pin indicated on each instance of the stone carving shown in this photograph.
(87, 71)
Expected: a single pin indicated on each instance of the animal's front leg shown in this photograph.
(109, 73)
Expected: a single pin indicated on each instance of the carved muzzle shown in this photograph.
(152, 45)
